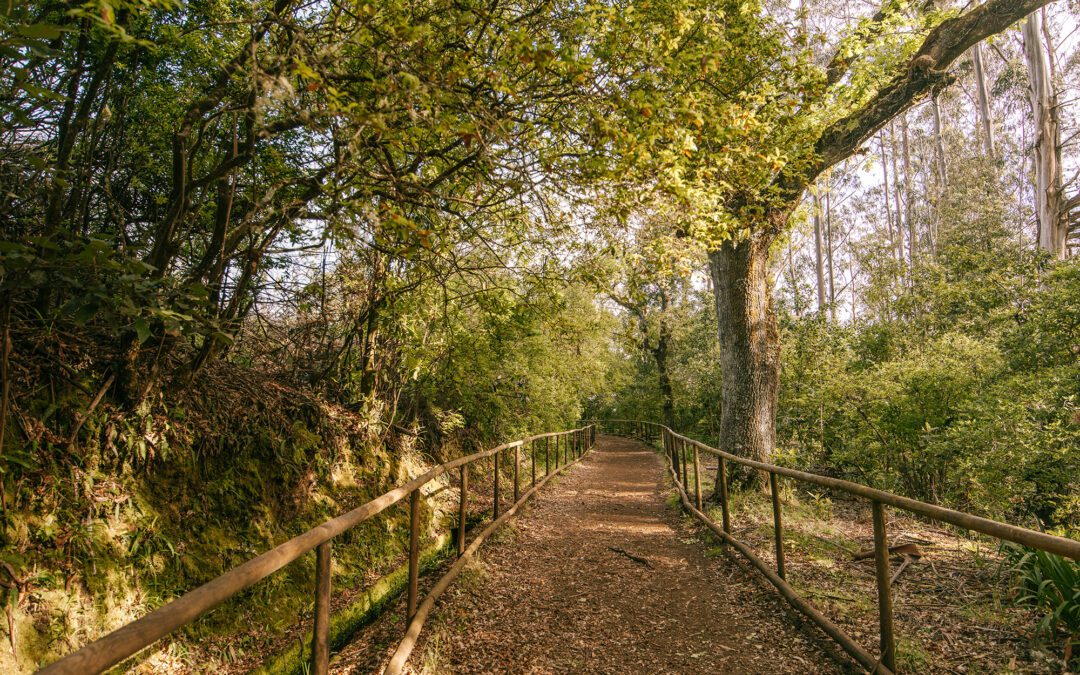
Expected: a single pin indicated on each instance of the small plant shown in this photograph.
(822, 505)
(1051, 584)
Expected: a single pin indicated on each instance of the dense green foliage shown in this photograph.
(970, 398)
(947, 413)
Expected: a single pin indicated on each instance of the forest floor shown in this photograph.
(602, 574)
(952, 599)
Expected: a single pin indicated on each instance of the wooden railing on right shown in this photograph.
(684, 463)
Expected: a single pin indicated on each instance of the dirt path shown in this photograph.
(602, 575)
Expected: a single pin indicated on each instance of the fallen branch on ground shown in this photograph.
(635, 558)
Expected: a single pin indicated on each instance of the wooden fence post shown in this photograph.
(697, 477)
(320, 639)
(414, 552)
(722, 480)
(517, 463)
(885, 611)
(778, 525)
(685, 469)
(463, 509)
(496, 505)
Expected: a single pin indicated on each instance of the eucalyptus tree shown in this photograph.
(1052, 207)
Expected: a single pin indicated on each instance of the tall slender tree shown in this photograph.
(1050, 203)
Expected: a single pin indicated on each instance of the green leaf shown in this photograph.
(40, 31)
(142, 329)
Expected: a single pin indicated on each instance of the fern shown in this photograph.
(1050, 584)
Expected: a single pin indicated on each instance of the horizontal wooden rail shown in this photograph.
(416, 623)
(849, 645)
(682, 451)
(130, 639)
(1062, 546)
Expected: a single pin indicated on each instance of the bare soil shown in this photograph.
(603, 574)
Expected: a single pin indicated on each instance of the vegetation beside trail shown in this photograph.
(148, 503)
(261, 261)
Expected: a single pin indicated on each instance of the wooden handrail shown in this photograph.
(676, 449)
(131, 638)
(1062, 546)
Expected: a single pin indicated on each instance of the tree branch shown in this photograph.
(925, 71)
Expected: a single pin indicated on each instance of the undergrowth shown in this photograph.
(145, 505)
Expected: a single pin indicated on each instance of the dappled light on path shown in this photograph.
(602, 575)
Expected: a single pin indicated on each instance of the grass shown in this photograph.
(911, 657)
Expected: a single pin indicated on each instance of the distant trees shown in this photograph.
(652, 277)
(762, 206)
(739, 146)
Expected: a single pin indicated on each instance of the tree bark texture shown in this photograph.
(660, 354)
(749, 347)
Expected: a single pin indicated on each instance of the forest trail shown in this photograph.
(602, 575)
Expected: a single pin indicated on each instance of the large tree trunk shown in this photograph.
(749, 348)
(1049, 200)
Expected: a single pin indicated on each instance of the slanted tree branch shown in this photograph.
(926, 70)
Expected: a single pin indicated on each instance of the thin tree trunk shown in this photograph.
(851, 283)
(897, 197)
(749, 347)
(819, 263)
(926, 180)
(794, 280)
(983, 93)
(909, 202)
(1052, 225)
(885, 191)
(829, 247)
(939, 146)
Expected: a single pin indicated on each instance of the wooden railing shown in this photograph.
(559, 450)
(683, 453)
